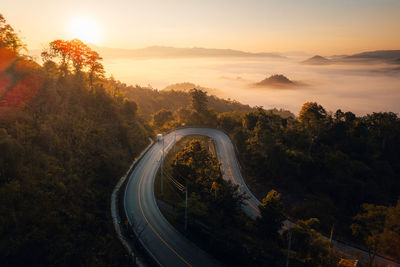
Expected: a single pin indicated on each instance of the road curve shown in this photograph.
(164, 243)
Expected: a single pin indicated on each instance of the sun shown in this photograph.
(85, 29)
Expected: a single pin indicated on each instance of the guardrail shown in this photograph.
(115, 213)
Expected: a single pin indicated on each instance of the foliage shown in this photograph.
(328, 165)
(62, 149)
(77, 54)
(199, 100)
(215, 216)
(272, 216)
(308, 246)
(150, 101)
(186, 87)
(379, 227)
(162, 117)
(9, 39)
(200, 171)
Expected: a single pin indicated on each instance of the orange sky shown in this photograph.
(323, 27)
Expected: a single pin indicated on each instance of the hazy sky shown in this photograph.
(315, 26)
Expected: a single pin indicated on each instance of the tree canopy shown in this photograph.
(9, 39)
(63, 147)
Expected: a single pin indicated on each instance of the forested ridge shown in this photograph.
(65, 140)
(151, 100)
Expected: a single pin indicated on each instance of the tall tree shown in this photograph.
(162, 117)
(309, 247)
(95, 68)
(79, 53)
(195, 165)
(313, 118)
(8, 37)
(199, 100)
(59, 49)
(391, 232)
(370, 225)
(272, 217)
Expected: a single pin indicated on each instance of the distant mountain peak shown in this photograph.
(317, 60)
(277, 81)
(319, 57)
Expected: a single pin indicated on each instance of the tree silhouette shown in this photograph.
(8, 37)
(75, 54)
(199, 100)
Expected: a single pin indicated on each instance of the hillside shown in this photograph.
(186, 87)
(152, 100)
(385, 55)
(66, 138)
(277, 81)
(316, 60)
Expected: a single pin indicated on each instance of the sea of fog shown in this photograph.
(360, 88)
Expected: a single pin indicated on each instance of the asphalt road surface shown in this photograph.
(165, 244)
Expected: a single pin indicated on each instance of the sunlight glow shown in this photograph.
(84, 29)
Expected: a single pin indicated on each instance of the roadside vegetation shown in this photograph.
(65, 140)
(336, 167)
(327, 166)
(216, 221)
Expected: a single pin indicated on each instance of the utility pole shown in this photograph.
(288, 251)
(331, 235)
(162, 168)
(186, 206)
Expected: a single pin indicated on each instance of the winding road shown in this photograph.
(163, 242)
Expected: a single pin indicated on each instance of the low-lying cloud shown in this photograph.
(361, 88)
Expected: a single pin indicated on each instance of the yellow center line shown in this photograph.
(154, 230)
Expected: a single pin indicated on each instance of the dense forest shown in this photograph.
(64, 143)
(217, 223)
(327, 166)
(333, 171)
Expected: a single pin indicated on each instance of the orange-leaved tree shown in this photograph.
(75, 54)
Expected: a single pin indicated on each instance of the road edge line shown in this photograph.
(115, 211)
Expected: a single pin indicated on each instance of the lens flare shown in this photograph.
(19, 82)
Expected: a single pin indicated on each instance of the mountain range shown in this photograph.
(387, 56)
(384, 56)
(174, 52)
